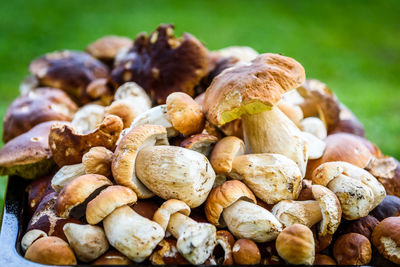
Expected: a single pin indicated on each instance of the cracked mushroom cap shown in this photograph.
(51, 250)
(98, 161)
(272, 177)
(237, 91)
(107, 201)
(224, 153)
(70, 71)
(124, 160)
(224, 196)
(43, 104)
(78, 191)
(68, 146)
(202, 143)
(168, 208)
(28, 155)
(386, 238)
(107, 47)
(162, 63)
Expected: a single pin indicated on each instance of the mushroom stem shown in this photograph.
(250, 221)
(178, 223)
(290, 212)
(273, 132)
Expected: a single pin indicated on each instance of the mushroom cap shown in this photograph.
(223, 196)
(184, 113)
(28, 155)
(107, 201)
(87, 118)
(162, 63)
(113, 257)
(272, 177)
(224, 152)
(330, 209)
(252, 88)
(65, 175)
(352, 249)
(98, 161)
(131, 234)
(78, 191)
(295, 244)
(246, 252)
(226, 241)
(30, 237)
(37, 190)
(108, 46)
(51, 250)
(68, 146)
(168, 208)
(124, 160)
(386, 238)
(322, 259)
(290, 212)
(175, 172)
(389, 207)
(88, 242)
(202, 143)
(43, 104)
(70, 71)
(363, 226)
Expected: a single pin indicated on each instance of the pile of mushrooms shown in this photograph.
(159, 151)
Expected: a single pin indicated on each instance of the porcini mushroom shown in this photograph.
(386, 238)
(250, 92)
(246, 252)
(202, 143)
(107, 47)
(244, 218)
(352, 249)
(195, 241)
(87, 118)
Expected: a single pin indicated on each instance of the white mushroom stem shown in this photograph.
(290, 212)
(248, 220)
(273, 132)
(195, 241)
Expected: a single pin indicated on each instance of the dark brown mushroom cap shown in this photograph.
(43, 104)
(352, 249)
(162, 63)
(363, 226)
(28, 155)
(37, 190)
(70, 71)
(389, 207)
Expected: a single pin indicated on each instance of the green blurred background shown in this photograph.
(353, 46)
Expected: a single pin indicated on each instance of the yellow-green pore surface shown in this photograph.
(353, 46)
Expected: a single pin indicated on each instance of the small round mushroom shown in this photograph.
(107, 47)
(28, 155)
(386, 238)
(314, 126)
(357, 190)
(87, 241)
(68, 146)
(250, 92)
(322, 259)
(244, 218)
(389, 207)
(87, 118)
(202, 143)
(195, 241)
(295, 244)
(113, 257)
(43, 104)
(30, 237)
(51, 250)
(98, 161)
(352, 249)
(246, 252)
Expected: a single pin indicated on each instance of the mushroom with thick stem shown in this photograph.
(250, 92)
(195, 241)
(244, 218)
(386, 238)
(357, 190)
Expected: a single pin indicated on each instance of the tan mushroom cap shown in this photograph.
(251, 89)
(107, 47)
(98, 160)
(113, 257)
(386, 238)
(223, 196)
(107, 201)
(246, 252)
(123, 165)
(224, 152)
(77, 191)
(68, 146)
(202, 143)
(51, 250)
(184, 113)
(168, 208)
(30, 237)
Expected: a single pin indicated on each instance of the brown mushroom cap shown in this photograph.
(389, 207)
(78, 191)
(223, 196)
(107, 47)
(322, 259)
(363, 226)
(98, 161)
(28, 155)
(107, 201)
(43, 104)
(68, 146)
(386, 238)
(113, 257)
(223, 250)
(162, 63)
(224, 152)
(246, 252)
(352, 249)
(70, 71)
(51, 250)
(202, 143)
(295, 244)
(184, 113)
(251, 89)
(123, 165)
(37, 190)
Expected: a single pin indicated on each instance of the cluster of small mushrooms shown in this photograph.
(160, 151)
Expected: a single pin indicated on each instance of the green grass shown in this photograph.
(353, 46)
